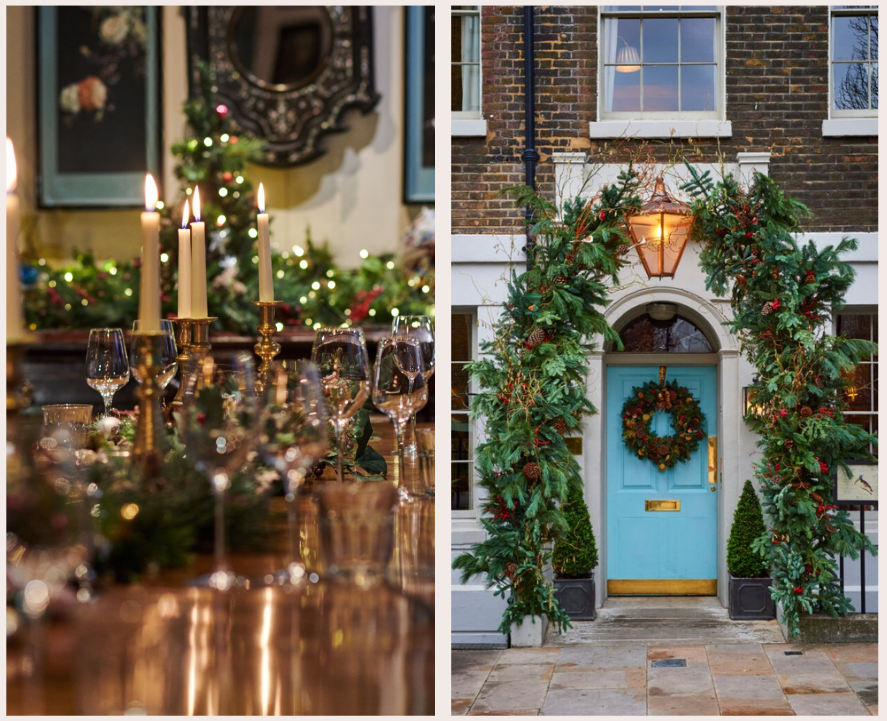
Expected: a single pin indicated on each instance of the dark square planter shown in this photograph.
(576, 597)
(750, 599)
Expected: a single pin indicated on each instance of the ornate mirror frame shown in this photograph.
(291, 118)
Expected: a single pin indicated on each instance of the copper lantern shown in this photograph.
(660, 231)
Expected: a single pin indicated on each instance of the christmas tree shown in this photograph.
(533, 374)
(782, 295)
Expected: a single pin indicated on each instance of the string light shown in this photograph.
(312, 294)
(69, 277)
(332, 284)
(279, 326)
(297, 249)
(425, 288)
(372, 311)
(364, 253)
(164, 257)
(52, 284)
(280, 274)
(192, 144)
(67, 306)
(127, 292)
(330, 273)
(42, 261)
(112, 270)
(390, 265)
(255, 260)
(315, 285)
(221, 220)
(239, 179)
(208, 142)
(188, 191)
(159, 205)
(252, 233)
(84, 302)
(303, 299)
(303, 264)
(224, 137)
(395, 312)
(223, 192)
(308, 321)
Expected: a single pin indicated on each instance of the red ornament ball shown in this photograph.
(228, 177)
(221, 110)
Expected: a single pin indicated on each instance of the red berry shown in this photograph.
(798, 590)
(603, 215)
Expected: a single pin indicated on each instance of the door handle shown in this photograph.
(713, 461)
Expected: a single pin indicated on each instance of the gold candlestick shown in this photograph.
(200, 345)
(150, 443)
(184, 357)
(266, 348)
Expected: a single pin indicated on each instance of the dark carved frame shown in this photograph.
(291, 120)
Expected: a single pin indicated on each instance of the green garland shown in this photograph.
(534, 372)
(687, 420)
(782, 296)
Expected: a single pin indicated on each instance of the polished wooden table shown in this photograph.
(323, 647)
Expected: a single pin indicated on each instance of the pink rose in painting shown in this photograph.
(92, 94)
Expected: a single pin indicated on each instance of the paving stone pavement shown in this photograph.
(619, 679)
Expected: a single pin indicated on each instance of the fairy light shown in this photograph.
(390, 265)
(308, 321)
(208, 142)
(159, 205)
(127, 292)
(279, 326)
(255, 260)
(395, 312)
(364, 254)
(221, 220)
(164, 257)
(188, 191)
(192, 144)
(112, 270)
(223, 192)
(303, 299)
(303, 264)
(330, 273)
(298, 250)
(67, 306)
(312, 294)
(426, 288)
(84, 302)
(225, 137)
(252, 233)
(52, 284)
(331, 284)
(315, 285)
(348, 311)
(41, 262)
(372, 311)
(239, 179)
(280, 274)
(316, 326)
(69, 277)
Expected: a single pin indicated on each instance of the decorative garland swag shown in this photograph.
(687, 420)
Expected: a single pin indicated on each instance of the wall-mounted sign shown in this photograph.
(860, 486)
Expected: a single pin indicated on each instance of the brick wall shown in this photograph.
(777, 97)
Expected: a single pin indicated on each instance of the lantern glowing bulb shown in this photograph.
(261, 198)
(196, 203)
(150, 194)
(11, 172)
(185, 215)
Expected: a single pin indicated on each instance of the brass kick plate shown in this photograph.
(665, 587)
(662, 505)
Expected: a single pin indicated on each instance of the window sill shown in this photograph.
(473, 128)
(661, 129)
(845, 127)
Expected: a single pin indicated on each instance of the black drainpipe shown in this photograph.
(530, 155)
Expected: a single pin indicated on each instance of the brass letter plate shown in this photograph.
(662, 505)
(712, 460)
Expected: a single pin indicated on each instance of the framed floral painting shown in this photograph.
(98, 97)
(419, 106)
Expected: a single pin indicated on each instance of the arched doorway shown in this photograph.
(661, 525)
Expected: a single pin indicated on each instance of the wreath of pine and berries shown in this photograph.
(687, 420)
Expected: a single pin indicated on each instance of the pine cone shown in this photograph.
(815, 496)
(537, 338)
(776, 274)
(531, 470)
(810, 277)
(560, 280)
(560, 425)
(740, 280)
(768, 308)
(817, 381)
(806, 411)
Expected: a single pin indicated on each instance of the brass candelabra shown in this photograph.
(266, 348)
(200, 344)
(184, 357)
(150, 442)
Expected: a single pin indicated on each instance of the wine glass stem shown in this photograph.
(339, 430)
(107, 399)
(399, 427)
(292, 519)
(219, 556)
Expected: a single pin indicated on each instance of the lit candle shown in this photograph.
(185, 266)
(149, 287)
(198, 262)
(15, 326)
(266, 283)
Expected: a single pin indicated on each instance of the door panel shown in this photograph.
(675, 551)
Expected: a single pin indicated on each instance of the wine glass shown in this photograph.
(219, 424)
(107, 369)
(168, 367)
(420, 328)
(399, 388)
(341, 356)
(295, 436)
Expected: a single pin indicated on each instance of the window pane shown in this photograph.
(873, 36)
(660, 88)
(456, 70)
(625, 91)
(698, 40)
(855, 325)
(850, 38)
(851, 86)
(698, 87)
(660, 40)
(459, 399)
(460, 440)
(622, 33)
(460, 487)
(461, 331)
(875, 85)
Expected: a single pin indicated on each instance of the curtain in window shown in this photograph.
(471, 63)
(611, 42)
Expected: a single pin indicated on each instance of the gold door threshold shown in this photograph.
(665, 587)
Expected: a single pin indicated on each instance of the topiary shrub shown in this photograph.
(748, 525)
(575, 551)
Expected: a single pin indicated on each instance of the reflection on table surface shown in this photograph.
(320, 648)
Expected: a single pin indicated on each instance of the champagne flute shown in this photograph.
(420, 328)
(295, 436)
(341, 356)
(398, 395)
(107, 369)
(168, 367)
(219, 424)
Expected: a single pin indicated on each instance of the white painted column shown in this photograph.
(569, 175)
(750, 162)
(593, 445)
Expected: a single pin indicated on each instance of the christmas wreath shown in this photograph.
(686, 419)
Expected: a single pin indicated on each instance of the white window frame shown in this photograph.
(846, 123)
(665, 124)
(470, 512)
(470, 123)
(871, 361)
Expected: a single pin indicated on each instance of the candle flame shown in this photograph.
(261, 198)
(150, 194)
(11, 173)
(185, 215)
(196, 206)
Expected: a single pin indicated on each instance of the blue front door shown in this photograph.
(661, 525)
